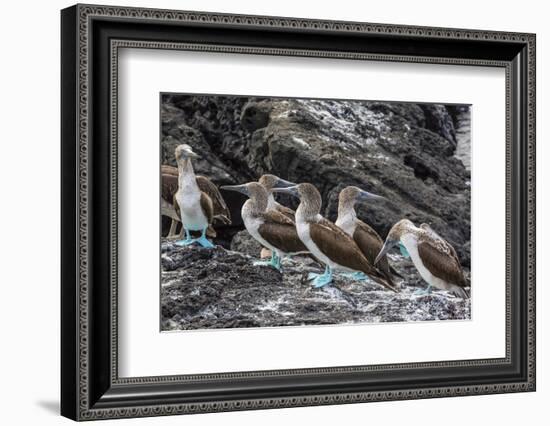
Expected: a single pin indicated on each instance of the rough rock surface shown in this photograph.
(218, 288)
(406, 152)
(245, 244)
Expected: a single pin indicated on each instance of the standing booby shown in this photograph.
(269, 182)
(270, 228)
(436, 263)
(197, 200)
(366, 238)
(170, 208)
(326, 241)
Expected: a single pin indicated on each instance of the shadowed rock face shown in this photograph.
(218, 288)
(405, 152)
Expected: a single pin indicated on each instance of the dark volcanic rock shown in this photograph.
(440, 121)
(256, 115)
(216, 288)
(403, 151)
(245, 244)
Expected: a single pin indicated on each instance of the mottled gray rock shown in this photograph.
(256, 115)
(217, 288)
(440, 121)
(243, 242)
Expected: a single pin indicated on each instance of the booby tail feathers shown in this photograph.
(460, 292)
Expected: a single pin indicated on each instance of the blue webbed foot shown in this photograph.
(203, 241)
(357, 276)
(321, 280)
(267, 263)
(188, 240)
(274, 262)
(312, 276)
(185, 242)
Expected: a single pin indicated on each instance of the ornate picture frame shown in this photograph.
(90, 41)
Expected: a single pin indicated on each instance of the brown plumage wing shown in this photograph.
(286, 211)
(453, 252)
(439, 259)
(176, 205)
(429, 229)
(343, 250)
(449, 247)
(221, 212)
(169, 186)
(280, 231)
(339, 247)
(207, 207)
(370, 244)
(368, 241)
(335, 229)
(169, 170)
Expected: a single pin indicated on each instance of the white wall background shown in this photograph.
(29, 223)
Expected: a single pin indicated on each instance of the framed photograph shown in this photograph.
(263, 212)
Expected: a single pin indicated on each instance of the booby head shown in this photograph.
(184, 152)
(253, 190)
(401, 228)
(310, 197)
(271, 181)
(352, 194)
(303, 191)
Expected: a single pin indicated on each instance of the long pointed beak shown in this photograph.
(243, 189)
(291, 190)
(281, 183)
(385, 249)
(192, 154)
(365, 195)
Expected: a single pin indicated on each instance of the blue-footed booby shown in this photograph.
(170, 208)
(270, 228)
(432, 256)
(197, 200)
(327, 242)
(366, 238)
